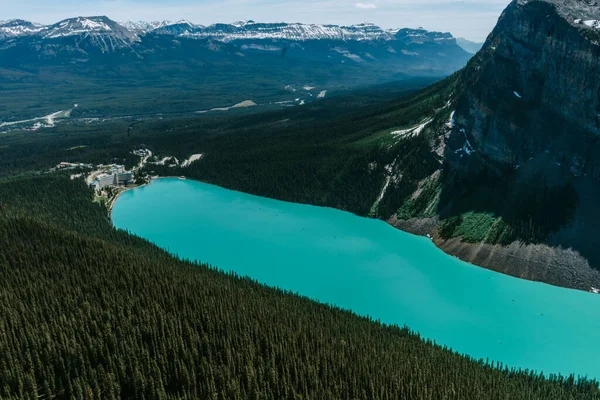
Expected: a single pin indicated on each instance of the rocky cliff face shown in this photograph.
(535, 87)
(518, 183)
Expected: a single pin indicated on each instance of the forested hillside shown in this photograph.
(359, 152)
(538, 216)
(89, 312)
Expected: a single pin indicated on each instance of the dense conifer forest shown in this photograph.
(335, 152)
(90, 312)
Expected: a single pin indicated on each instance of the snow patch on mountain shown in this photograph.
(94, 25)
(143, 26)
(184, 22)
(17, 27)
(243, 30)
(98, 29)
(76, 26)
(414, 131)
(260, 47)
(409, 53)
(110, 36)
(241, 24)
(347, 54)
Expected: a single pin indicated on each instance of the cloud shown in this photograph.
(366, 6)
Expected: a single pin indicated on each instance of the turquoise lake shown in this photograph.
(373, 269)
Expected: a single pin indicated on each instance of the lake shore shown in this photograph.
(555, 266)
(366, 266)
(529, 262)
(112, 201)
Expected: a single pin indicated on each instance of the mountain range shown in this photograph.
(253, 30)
(83, 37)
(90, 60)
(225, 32)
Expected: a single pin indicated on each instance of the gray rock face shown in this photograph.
(571, 10)
(535, 86)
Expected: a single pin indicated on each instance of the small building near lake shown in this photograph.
(113, 179)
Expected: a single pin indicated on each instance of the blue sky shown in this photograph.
(471, 19)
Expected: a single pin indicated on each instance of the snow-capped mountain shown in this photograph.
(75, 38)
(142, 27)
(99, 40)
(130, 31)
(18, 27)
(164, 27)
(241, 24)
(421, 36)
(89, 26)
(250, 30)
(79, 26)
(179, 28)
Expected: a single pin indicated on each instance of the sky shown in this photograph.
(470, 19)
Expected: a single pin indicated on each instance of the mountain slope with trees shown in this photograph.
(90, 312)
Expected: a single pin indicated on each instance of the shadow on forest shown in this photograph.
(539, 202)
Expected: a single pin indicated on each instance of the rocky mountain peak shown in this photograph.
(570, 9)
(16, 22)
(535, 87)
(94, 26)
(144, 26)
(585, 14)
(420, 36)
(18, 27)
(243, 23)
(179, 28)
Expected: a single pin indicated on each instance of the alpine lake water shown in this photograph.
(372, 269)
